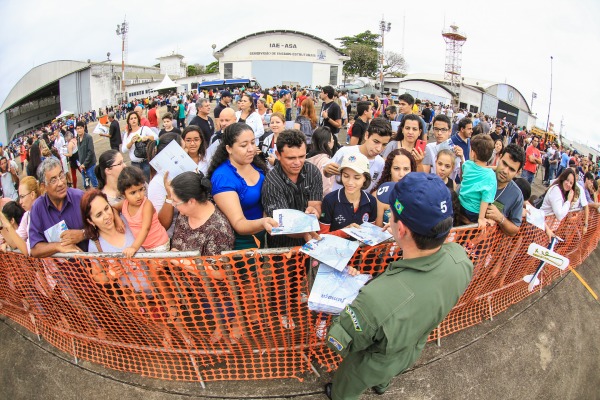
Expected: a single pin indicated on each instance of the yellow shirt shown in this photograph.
(279, 107)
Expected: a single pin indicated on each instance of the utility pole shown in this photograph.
(122, 30)
(550, 101)
(384, 27)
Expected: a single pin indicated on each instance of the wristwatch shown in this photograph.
(169, 201)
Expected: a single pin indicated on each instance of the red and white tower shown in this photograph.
(452, 73)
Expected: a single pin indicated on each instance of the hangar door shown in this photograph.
(272, 73)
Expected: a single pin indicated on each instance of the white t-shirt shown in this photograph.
(375, 165)
(143, 131)
(157, 195)
(554, 204)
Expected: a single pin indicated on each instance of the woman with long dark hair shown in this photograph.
(237, 174)
(397, 165)
(307, 120)
(321, 151)
(409, 131)
(563, 196)
(247, 114)
(110, 165)
(35, 159)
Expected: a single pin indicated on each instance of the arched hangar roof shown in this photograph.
(40, 77)
(276, 31)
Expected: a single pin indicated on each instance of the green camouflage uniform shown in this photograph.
(384, 330)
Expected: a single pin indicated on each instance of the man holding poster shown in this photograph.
(384, 330)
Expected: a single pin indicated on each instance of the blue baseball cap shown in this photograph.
(284, 92)
(419, 200)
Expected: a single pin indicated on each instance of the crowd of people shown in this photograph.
(455, 168)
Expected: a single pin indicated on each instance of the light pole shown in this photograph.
(122, 30)
(384, 27)
(533, 96)
(550, 101)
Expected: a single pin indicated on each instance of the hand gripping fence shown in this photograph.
(241, 315)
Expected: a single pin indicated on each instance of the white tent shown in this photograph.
(166, 83)
(65, 114)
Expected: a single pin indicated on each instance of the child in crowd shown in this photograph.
(444, 165)
(479, 185)
(352, 204)
(140, 214)
(441, 130)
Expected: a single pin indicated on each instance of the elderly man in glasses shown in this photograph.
(56, 224)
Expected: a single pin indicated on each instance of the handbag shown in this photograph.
(140, 150)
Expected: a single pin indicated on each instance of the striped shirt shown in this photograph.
(279, 192)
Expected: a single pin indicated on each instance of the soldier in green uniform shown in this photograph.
(384, 330)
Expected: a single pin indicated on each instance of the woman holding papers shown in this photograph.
(195, 146)
(237, 174)
(397, 165)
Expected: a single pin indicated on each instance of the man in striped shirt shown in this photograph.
(292, 184)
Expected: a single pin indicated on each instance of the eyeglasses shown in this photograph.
(116, 165)
(443, 130)
(177, 204)
(54, 181)
(193, 140)
(22, 196)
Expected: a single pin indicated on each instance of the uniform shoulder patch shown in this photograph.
(338, 346)
(354, 319)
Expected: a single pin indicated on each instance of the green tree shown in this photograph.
(363, 60)
(367, 38)
(191, 70)
(212, 68)
(362, 49)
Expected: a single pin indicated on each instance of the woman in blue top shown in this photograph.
(237, 173)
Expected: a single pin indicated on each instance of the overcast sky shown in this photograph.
(507, 41)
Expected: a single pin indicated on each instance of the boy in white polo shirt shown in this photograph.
(378, 135)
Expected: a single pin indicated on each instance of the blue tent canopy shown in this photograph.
(211, 83)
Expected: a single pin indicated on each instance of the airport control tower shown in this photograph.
(452, 73)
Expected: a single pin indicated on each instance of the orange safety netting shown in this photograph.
(242, 315)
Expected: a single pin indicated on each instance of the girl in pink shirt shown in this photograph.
(140, 214)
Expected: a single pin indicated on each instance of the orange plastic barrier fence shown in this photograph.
(242, 315)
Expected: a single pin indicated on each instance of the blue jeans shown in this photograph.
(91, 175)
(552, 175)
(528, 176)
(145, 167)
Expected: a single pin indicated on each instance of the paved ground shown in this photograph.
(543, 348)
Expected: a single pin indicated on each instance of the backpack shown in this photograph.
(305, 127)
(537, 203)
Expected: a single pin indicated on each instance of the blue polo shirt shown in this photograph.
(45, 215)
(465, 146)
(338, 212)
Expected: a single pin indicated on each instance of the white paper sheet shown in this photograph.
(173, 159)
(52, 234)
(536, 217)
(368, 233)
(331, 250)
(333, 290)
(294, 221)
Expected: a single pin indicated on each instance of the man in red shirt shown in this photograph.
(533, 158)
(152, 117)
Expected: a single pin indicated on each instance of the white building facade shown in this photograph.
(279, 57)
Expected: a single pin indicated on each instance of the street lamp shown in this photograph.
(384, 27)
(122, 30)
